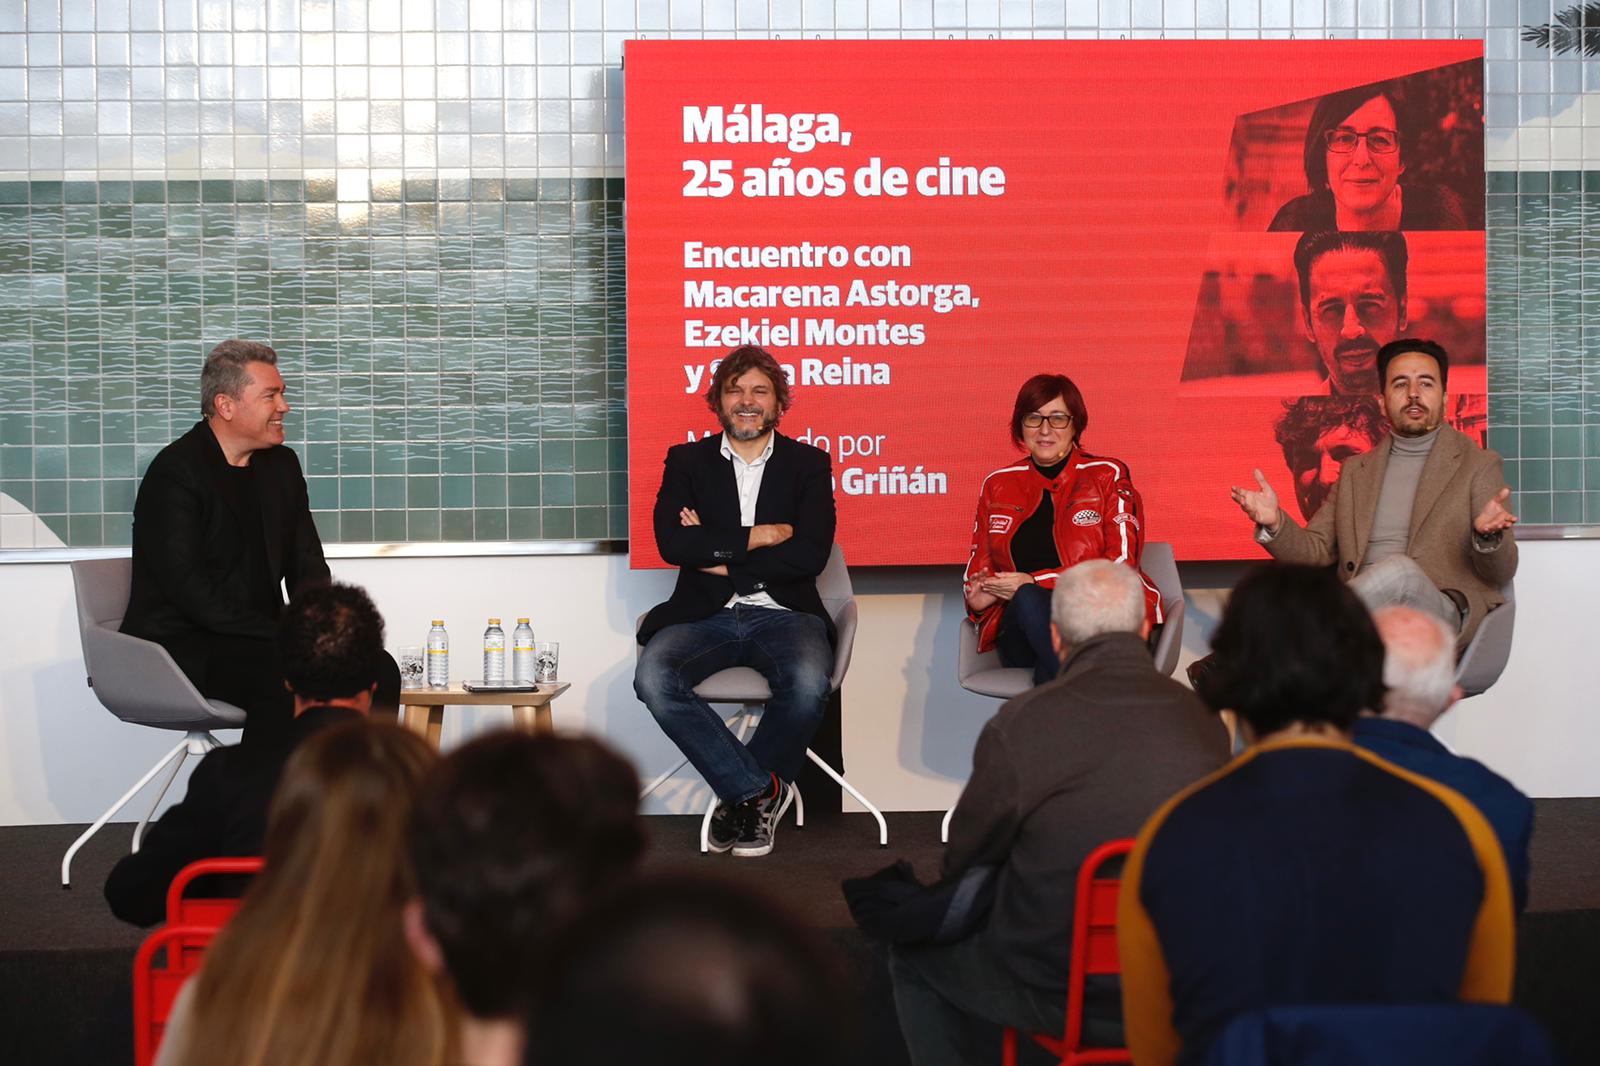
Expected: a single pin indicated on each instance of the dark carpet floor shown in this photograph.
(65, 962)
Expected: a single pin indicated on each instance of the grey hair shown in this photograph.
(224, 373)
(1419, 664)
(1096, 597)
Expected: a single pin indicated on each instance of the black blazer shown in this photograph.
(189, 576)
(223, 813)
(796, 488)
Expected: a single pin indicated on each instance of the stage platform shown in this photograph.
(65, 962)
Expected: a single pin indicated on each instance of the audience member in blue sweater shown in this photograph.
(1419, 670)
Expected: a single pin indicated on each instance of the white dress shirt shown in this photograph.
(747, 476)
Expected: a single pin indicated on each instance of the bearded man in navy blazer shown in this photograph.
(748, 518)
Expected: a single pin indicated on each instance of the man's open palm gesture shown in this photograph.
(1260, 504)
(1494, 517)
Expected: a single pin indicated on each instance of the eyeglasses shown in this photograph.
(1380, 141)
(1057, 419)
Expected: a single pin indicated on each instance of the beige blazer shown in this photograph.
(1457, 480)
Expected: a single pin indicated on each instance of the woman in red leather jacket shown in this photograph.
(1052, 509)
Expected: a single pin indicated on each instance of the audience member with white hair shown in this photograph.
(1419, 671)
(1058, 771)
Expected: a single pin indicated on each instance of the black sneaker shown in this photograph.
(757, 822)
(724, 830)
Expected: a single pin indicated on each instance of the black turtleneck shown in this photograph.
(1033, 546)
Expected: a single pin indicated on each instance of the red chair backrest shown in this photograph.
(204, 913)
(1094, 931)
(213, 913)
(155, 988)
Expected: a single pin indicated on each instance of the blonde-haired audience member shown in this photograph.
(314, 970)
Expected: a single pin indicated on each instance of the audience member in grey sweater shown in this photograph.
(1058, 771)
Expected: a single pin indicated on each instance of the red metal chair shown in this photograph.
(155, 988)
(1094, 952)
(212, 913)
(200, 912)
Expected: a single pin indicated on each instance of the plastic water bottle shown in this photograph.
(522, 667)
(438, 656)
(494, 653)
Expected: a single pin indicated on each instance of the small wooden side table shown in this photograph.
(422, 709)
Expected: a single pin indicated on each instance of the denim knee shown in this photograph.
(655, 681)
(812, 685)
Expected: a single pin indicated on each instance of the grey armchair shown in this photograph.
(1486, 656)
(981, 672)
(746, 687)
(137, 681)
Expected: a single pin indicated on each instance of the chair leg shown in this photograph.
(66, 861)
(705, 825)
(799, 806)
(883, 826)
(661, 780)
(742, 718)
(196, 744)
(177, 764)
(944, 826)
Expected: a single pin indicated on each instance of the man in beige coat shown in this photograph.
(1420, 520)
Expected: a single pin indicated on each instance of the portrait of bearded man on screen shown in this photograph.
(1317, 434)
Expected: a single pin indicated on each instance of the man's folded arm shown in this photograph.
(695, 546)
(173, 509)
(803, 555)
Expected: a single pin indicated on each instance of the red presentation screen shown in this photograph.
(1211, 238)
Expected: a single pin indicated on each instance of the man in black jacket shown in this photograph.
(221, 523)
(748, 518)
(327, 640)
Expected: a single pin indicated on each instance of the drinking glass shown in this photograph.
(546, 655)
(411, 669)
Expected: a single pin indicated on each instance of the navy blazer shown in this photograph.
(796, 489)
(189, 573)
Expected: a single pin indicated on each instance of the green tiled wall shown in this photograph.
(1544, 340)
(454, 349)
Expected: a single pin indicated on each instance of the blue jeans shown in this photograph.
(1024, 637)
(788, 648)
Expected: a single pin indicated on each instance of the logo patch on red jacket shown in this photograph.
(1125, 517)
(1086, 517)
(999, 523)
